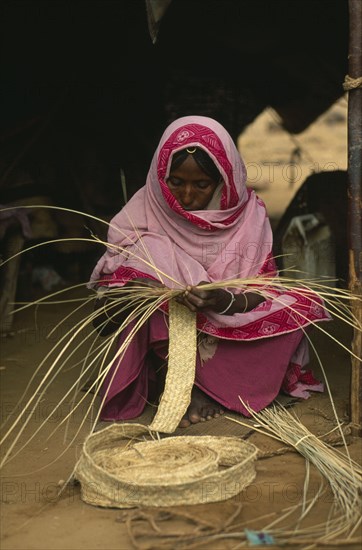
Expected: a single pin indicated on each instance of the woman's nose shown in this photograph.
(187, 196)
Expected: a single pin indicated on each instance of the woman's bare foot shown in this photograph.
(200, 409)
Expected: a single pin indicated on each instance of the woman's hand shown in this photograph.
(218, 300)
(197, 299)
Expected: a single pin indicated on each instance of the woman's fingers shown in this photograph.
(197, 299)
(188, 301)
(197, 293)
(194, 300)
(215, 300)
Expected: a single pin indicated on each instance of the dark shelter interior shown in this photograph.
(86, 96)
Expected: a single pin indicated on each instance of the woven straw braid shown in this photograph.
(180, 371)
(118, 469)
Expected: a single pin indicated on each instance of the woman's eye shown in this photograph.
(203, 184)
(174, 181)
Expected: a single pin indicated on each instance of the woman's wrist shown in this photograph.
(243, 302)
(231, 299)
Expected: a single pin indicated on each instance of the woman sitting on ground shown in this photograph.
(198, 222)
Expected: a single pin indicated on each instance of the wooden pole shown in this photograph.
(353, 85)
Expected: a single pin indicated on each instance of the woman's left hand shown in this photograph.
(197, 299)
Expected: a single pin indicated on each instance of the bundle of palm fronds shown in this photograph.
(343, 475)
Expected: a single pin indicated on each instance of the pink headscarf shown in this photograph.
(234, 241)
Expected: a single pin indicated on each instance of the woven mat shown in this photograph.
(217, 426)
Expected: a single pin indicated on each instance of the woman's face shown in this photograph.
(191, 187)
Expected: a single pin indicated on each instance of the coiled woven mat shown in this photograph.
(120, 468)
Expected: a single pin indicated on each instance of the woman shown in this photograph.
(197, 222)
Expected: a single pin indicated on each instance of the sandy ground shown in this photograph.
(33, 516)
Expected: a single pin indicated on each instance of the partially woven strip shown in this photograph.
(117, 470)
(180, 371)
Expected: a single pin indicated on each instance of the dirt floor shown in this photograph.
(34, 517)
